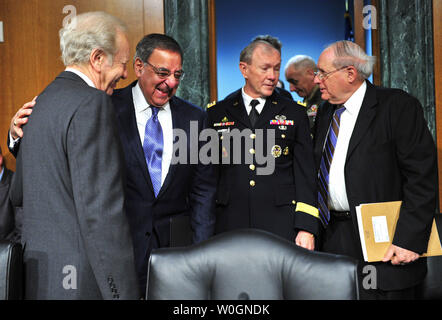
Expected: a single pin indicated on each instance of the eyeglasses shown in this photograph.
(164, 73)
(323, 75)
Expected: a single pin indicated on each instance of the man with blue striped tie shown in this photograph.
(372, 144)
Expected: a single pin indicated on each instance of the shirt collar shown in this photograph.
(1, 173)
(247, 99)
(140, 102)
(354, 103)
(82, 76)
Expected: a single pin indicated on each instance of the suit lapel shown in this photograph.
(238, 111)
(178, 122)
(365, 117)
(131, 137)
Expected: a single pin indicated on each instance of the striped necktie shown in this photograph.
(324, 168)
(153, 149)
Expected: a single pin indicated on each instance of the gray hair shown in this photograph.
(301, 62)
(348, 53)
(268, 42)
(86, 32)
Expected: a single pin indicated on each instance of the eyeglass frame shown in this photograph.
(158, 72)
(322, 76)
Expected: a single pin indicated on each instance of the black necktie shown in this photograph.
(253, 115)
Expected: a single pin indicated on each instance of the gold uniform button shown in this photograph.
(252, 151)
(252, 136)
(283, 136)
(293, 202)
(252, 183)
(252, 167)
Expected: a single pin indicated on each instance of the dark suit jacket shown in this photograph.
(248, 200)
(188, 190)
(69, 179)
(391, 156)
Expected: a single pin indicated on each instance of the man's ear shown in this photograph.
(243, 68)
(138, 67)
(352, 74)
(97, 59)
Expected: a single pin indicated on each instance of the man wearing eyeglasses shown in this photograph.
(163, 198)
(372, 145)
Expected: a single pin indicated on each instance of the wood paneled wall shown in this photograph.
(30, 53)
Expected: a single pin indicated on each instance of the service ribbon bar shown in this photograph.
(282, 122)
(223, 124)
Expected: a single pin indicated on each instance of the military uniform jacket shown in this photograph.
(282, 202)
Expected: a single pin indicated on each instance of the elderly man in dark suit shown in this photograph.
(282, 201)
(69, 175)
(372, 144)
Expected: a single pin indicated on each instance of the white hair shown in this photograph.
(301, 62)
(348, 53)
(86, 32)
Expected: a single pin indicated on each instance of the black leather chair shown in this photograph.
(249, 264)
(11, 270)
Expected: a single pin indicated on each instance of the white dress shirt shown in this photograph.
(89, 82)
(247, 99)
(82, 76)
(338, 200)
(143, 112)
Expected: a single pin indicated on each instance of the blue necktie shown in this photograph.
(153, 149)
(324, 168)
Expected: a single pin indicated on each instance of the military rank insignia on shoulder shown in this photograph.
(211, 104)
(304, 104)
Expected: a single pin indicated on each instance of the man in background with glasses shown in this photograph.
(300, 73)
(372, 144)
(167, 204)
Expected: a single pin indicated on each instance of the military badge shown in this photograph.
(311, 112)
(276, 151)
(285, 151)
(224, 153)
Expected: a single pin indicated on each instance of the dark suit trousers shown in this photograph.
(340, 238)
